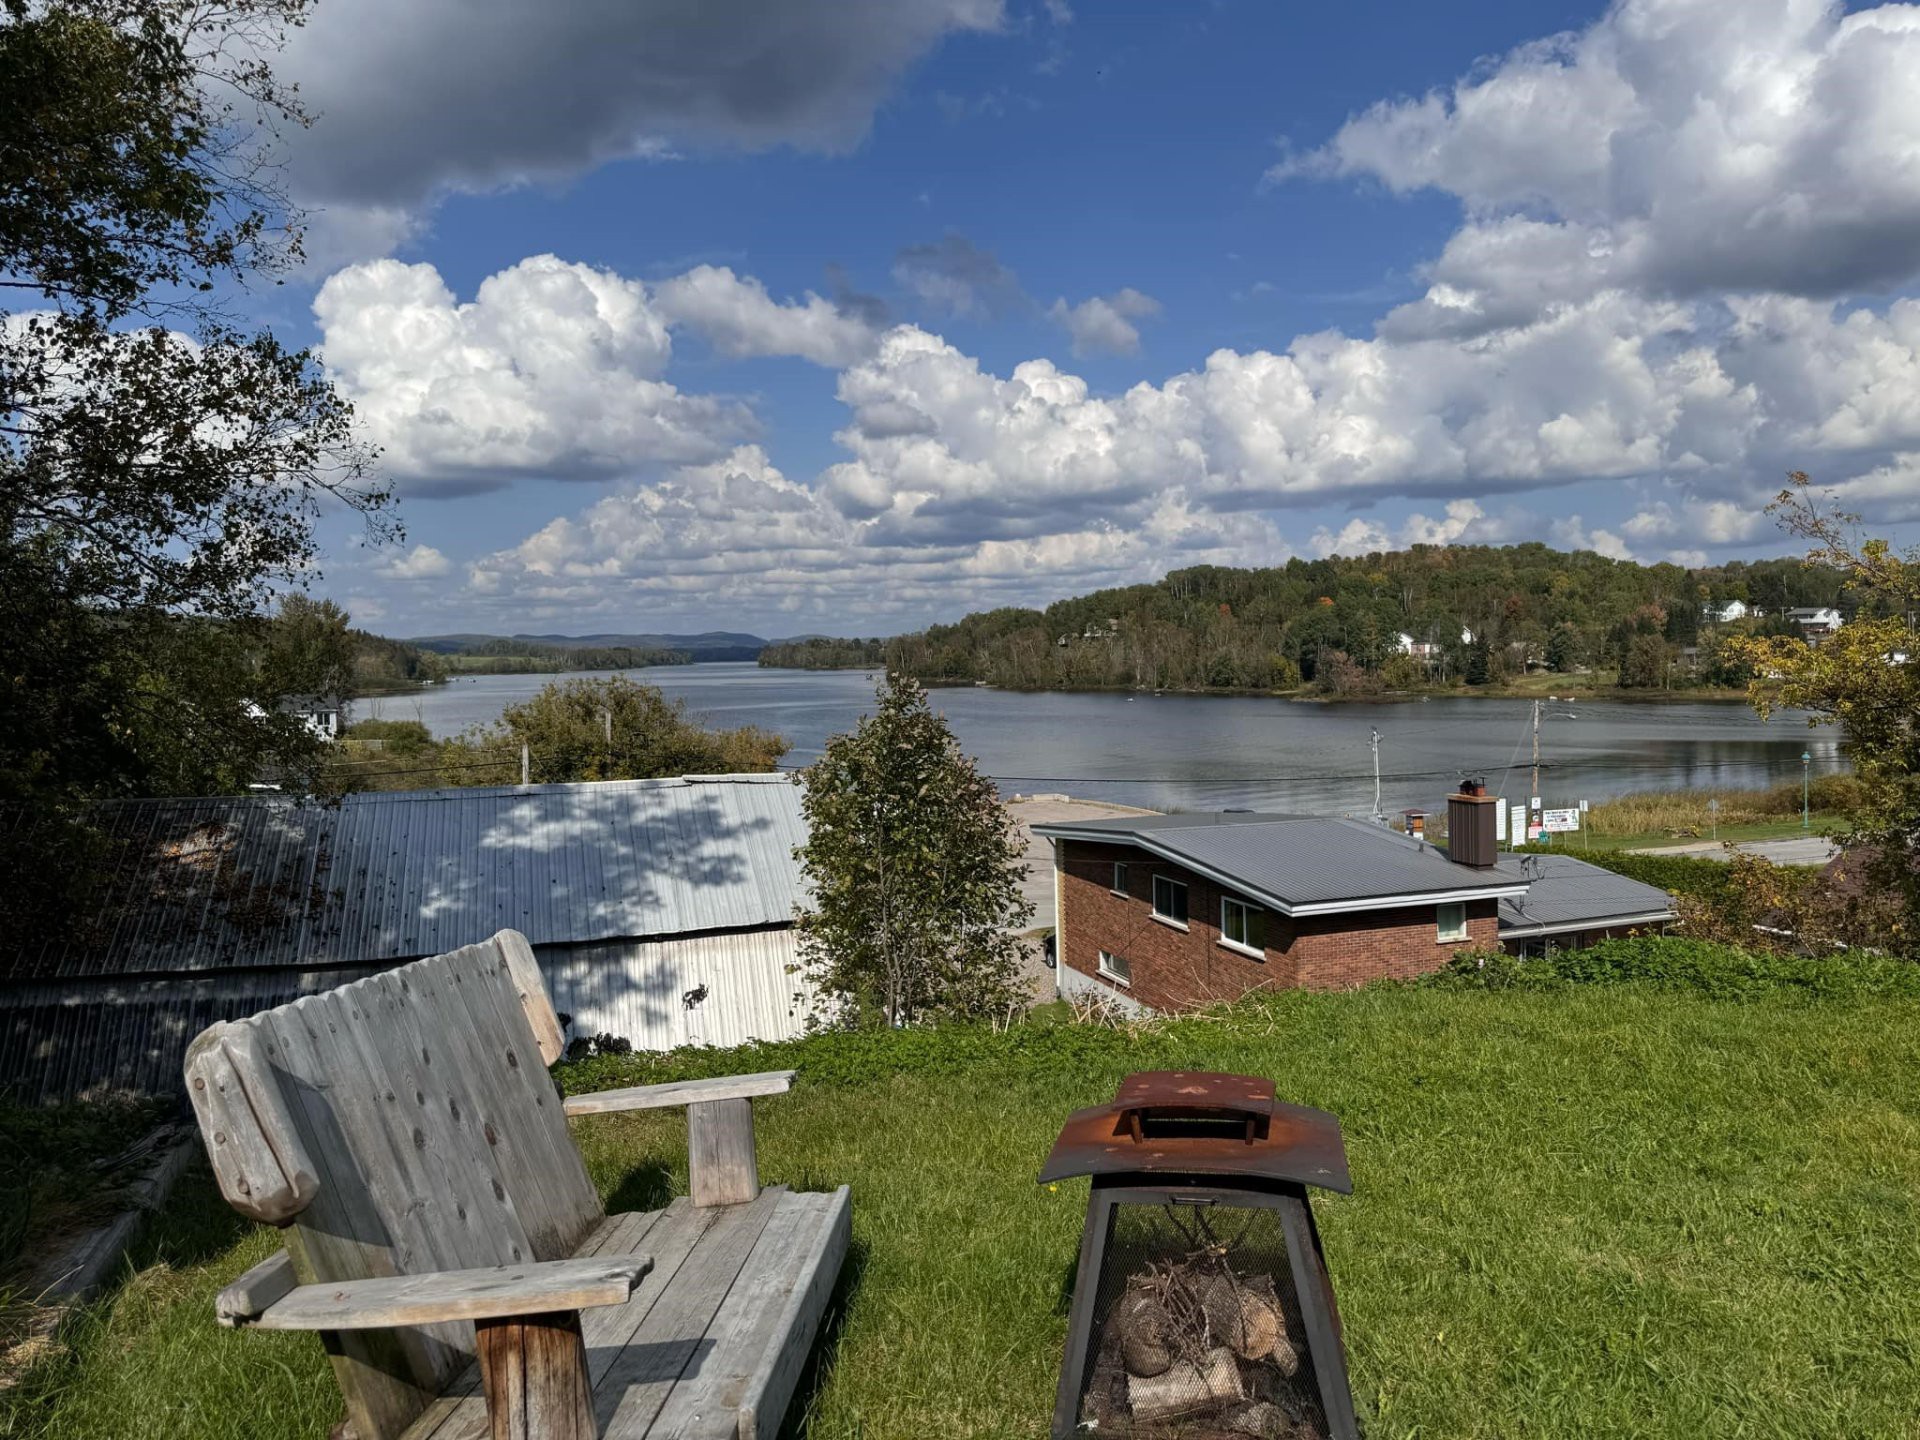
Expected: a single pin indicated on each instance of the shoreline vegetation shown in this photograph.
(382, 666)
(1471, 619)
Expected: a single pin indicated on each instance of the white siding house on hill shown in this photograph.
(661, 911)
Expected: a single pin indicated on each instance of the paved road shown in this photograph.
(1796, 850)
(1038, 885)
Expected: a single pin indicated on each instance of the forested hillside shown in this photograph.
(1432, 616)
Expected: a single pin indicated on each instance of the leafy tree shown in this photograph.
(1865, 677)
(160, 470)
(1644, 662)
(604, 729)
(915, 870)
(307, 649)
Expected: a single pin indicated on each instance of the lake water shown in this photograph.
(1211, 752)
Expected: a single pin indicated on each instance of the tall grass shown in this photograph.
(1599, 1210)
(1654, 812)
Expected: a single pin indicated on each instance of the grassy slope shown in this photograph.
(1591, 1211)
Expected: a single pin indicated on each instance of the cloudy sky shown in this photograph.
(849, 316)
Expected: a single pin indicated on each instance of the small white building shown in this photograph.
(1729, 612)
(1816, 621)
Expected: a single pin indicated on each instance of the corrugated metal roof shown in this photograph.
(205, 885)
(1297, 860)
(1569, 894)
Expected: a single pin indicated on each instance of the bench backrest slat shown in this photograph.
(420, 1102)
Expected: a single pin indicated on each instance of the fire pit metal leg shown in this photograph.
(1320, 1312)
(1094, 1237)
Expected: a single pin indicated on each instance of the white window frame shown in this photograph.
(1453, 935)
(1116, 968)
(1167, 917)
(1248, 911)
(1119, 885)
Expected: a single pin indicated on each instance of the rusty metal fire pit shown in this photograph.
(1202, 1308)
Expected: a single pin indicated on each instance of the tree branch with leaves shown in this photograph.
(1864, 678)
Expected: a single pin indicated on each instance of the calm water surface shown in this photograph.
(1209, 752)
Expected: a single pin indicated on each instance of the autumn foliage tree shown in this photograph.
(914, 867)
(1864, 678)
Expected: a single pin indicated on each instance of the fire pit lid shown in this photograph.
(1201, 1123)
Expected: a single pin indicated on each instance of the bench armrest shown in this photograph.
(253, 1292)
(433, 1298)
(681, 1092)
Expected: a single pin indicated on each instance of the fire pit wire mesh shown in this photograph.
(1198, 1330)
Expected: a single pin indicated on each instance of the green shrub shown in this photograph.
(1702, 966)
(1695, 875)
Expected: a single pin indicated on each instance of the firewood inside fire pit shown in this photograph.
(1193, 1341)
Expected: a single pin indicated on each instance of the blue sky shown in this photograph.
(847, 318)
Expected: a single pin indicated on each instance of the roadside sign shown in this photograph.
(1559, 822)
(1499, 823)
(1583, 807)
(1518, 829)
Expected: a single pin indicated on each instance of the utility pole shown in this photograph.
(606, 720)
(1534, 794)
(1378, 817)
(526, 765)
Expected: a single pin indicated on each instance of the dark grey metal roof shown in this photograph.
(1300, 863)
(264, 882)
(1569, 894)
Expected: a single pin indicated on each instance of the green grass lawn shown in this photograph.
(1589, 1211)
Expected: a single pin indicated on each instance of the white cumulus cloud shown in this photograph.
(422, 562)
(740, 319)
(1674, 147)
(1104, 323)
(552, 369)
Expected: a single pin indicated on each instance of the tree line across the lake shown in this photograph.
(384, 665)
(1429, 617)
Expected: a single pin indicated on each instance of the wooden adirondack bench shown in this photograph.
(404, 1131)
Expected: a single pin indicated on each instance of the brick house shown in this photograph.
(1172, 911)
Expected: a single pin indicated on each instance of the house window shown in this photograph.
(1452, 921)
(1243, 926)
(1115, 968)
(1169, 901)
(1119, 878)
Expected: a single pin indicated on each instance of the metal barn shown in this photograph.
(661, 911)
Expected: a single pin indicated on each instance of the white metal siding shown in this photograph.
(637, 989)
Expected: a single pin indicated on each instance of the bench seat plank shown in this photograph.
(672, 1236)
(713, 1339)
(765, 1327)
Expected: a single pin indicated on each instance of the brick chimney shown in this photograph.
(1470, 838)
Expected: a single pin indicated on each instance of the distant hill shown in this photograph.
(1427, 618)
(710, 646)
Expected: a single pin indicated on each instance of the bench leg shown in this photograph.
(721, 1169)
(533, 1369)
